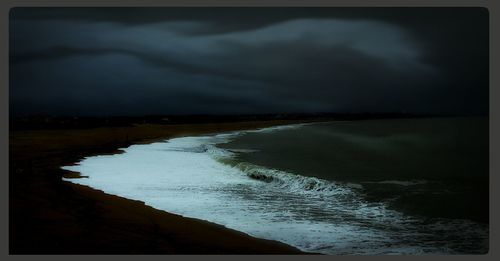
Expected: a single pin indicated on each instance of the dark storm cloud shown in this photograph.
(250, 60)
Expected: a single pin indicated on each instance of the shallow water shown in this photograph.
(196, 177)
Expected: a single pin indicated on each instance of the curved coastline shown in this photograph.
(51, 216)
(192, 177)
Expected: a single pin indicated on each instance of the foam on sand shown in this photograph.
(190, 176)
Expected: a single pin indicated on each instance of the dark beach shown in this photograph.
(50, 216)
(172, 111)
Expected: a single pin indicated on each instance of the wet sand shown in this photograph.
(51, 216)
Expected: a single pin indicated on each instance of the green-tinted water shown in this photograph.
(435, 167)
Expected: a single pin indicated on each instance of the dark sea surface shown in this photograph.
(371, 187)
(436, 167)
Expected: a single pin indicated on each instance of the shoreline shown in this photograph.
(53, 216)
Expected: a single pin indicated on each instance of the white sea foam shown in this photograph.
(278, 128)
(187, 176)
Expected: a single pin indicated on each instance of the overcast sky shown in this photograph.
(136, 61)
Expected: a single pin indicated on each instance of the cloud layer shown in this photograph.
(96, 66)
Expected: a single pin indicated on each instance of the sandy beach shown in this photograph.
(265, 130)
(51, 216)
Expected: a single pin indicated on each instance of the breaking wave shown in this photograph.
(192, 176)
(292, 182)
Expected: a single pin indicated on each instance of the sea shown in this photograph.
(366, 187)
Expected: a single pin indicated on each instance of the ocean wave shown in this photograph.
(191, 176)
(293, 182)
(278, 128)
(243, 150)
(279, 178)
